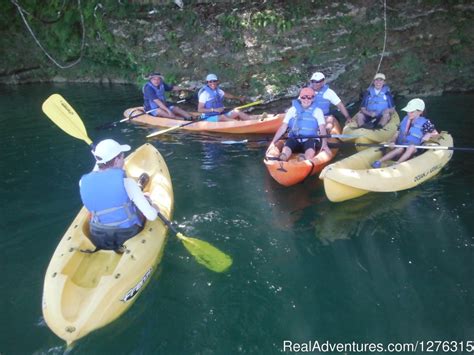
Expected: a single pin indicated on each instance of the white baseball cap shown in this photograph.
(379, 76)
(210, 77)
(108, 149)
(318, 76)
(414, 105)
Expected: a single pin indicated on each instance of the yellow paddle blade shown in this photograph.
(206, 254)
(63, 115)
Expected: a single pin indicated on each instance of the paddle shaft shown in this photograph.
(285, 138)
(438, 147)
(167, 222)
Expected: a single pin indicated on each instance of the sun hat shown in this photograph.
(379, 76)
(151, 75)
(318, 76)
(108, 149)
(413, 105)
(210, 77)
(306, 91)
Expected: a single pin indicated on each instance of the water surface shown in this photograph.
(393, 267)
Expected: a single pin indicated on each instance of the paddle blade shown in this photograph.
(206, 254)
(63, 115)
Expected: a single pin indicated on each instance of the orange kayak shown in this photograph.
(265, 123)
(294, 171)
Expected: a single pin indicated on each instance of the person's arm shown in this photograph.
(319, 116)
(138, 198)
(230, 96)
(429, 131)
(344, 111)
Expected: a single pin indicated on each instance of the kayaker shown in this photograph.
(117, 205)
(154, 98)
(304, 121)
(377, 104)
(414, 130)
(325, 97)
(211, 102)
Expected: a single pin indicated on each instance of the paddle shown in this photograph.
(243, 141)
(130, 117)
(438, 147)
(63, 115)
(201, 119)
(204, 253)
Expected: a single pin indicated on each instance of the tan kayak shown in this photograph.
(83, 291)
(353, 176)
(365, 135)
(259, 124)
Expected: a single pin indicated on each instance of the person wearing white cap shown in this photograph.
(211, 102)
(116, 203)
(414, 130)
(154, 98)
(325, 96)
(377, 104)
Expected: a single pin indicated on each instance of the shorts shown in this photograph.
(296, 145)
(155, 112)
(111, 238)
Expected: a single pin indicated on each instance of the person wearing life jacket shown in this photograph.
(414, 130)
(304, 121)
(377, 104)
(211, 102)
(154, 98)
(325, 97)
(116, 203)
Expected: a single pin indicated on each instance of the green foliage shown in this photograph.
(412, 68)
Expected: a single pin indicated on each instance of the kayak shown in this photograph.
(353, 176)
(86, 291)
(295, 170)
(365, 135)
(265, 123)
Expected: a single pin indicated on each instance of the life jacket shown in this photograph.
(103, 194)
(378, 102)
(322, 103)
(159, 92)
(215, 100)
(415, 133)
(304, 124)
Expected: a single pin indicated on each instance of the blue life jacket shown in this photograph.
(378, 102)
(322, 103)
(103, 194)
(415, 133)
(305, 124)
(215, 101)
(159, 92)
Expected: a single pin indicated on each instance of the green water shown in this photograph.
(395, 267)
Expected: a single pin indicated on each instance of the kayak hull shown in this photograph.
(260, 124)
(365, 135)
(353, 176)
(294, 170)
(86, 291)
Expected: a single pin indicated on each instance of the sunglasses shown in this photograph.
(213, 81)
(317, 81)
(307, 97)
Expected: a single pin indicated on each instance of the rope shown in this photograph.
(385, 34)
(22, 14)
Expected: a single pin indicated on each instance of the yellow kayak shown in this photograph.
(353, 176)
(366, 135)
(83, 291)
